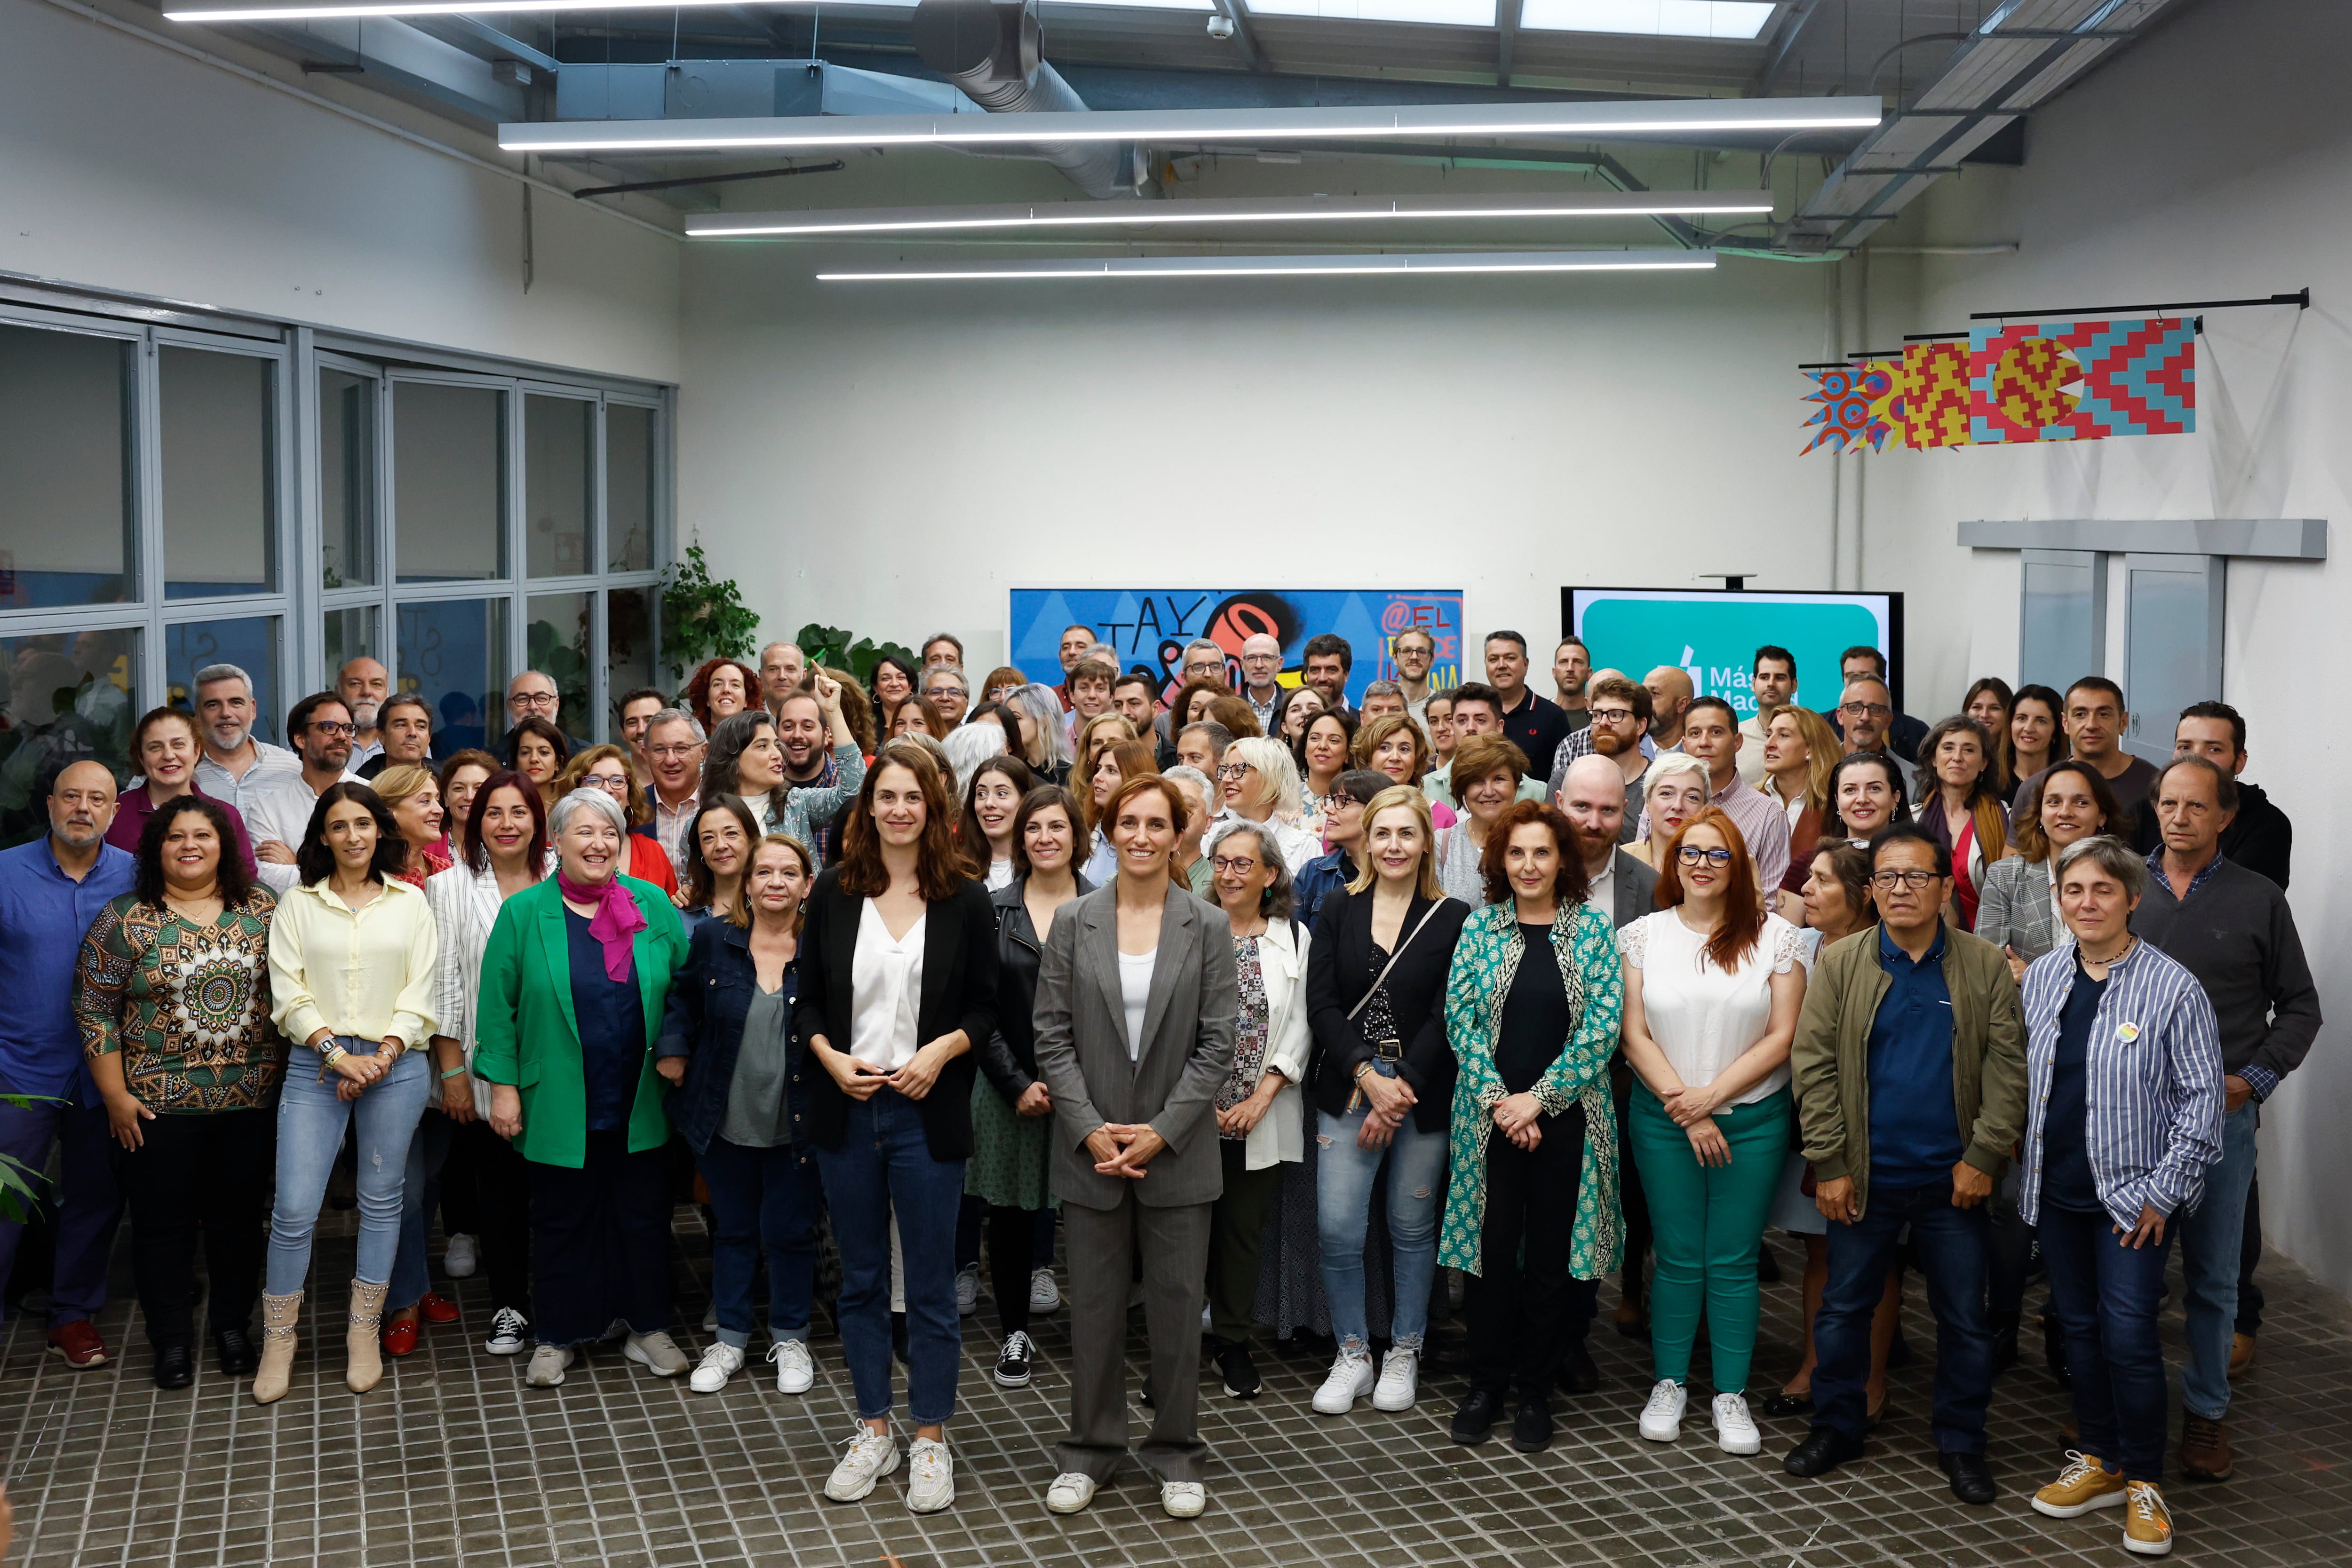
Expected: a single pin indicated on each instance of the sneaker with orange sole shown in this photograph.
(2147, 1524)
(2085, 1485)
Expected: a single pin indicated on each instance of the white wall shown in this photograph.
(2213, 161)
(131, 166)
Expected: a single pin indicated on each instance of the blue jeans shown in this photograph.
(85, 1205)
(1344, 1175)
(761, 1201)
(884, 1167)
(2107, 1297)
(1952, 1245)
(311, 1123)
(2211, 1238)
(420, 1195)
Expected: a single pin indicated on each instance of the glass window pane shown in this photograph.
(555, 643)
(352, 635)
(347, 478)
(558, 436)
(65, 694)
(454, 652)
(66, 452)
(448, 483)
(629, 470)
(220, 474)
(250, 643)
(628, 647)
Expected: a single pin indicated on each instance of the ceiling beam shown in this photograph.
(1237, 12)
(1507, 39)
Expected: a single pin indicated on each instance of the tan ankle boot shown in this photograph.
(363, 1367)
(279, 1316)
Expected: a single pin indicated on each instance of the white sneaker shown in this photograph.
(1400, 1377)
(1183, 1500)
(931, 1476)
(1045, 1295)
(1070, 1492)
(547, 1365)
(795, 1370)
(720, 1362)
(1661, 1418)
(967, 1289)
(1350, 1379)
(508, 1329)
(656, 1353)
(461, 1258)
(1734, 1428)
(871, 1455)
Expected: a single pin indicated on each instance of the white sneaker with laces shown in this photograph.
(796, 1369)
(1350, 1379)
(509, 1332)
(1734, 1428)
(931, 1476)
(720, 1362)
(461, 1258)
(656, 1353)
(547, 1366)
(1661, 1418)
(1045, 1295)
(967, 1289)
(1399, 1379)
(1070, 1492)
(1183, 1500)
(870, 1456)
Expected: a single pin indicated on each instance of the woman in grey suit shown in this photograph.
(1136, 996)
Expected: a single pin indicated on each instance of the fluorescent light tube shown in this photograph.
(299, 13)
(1595, 120)
(1262, 210)
(1300, 266)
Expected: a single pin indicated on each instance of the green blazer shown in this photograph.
(529, 1037)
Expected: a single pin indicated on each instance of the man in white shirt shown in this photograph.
(675, 748)
(1413, 651)
(1261, 662)
(320, 728)
(363, 684)
(1771, 680)
(1711, 734)
(236, 769)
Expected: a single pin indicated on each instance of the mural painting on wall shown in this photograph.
(1148, 628)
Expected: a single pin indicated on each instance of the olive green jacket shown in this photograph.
(1830, 1060)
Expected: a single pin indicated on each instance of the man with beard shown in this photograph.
(236, 769)
(405, 725)
(1261, 662)
(50, 891)
(674, 749)
(1866, 710)
(809, 763)
(363, 684)
(1328, 658)
(1571, 668)
(1413, 651)
(321, 728)
(1618, 732)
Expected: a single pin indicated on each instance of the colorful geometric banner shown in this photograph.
(2081, 381)
(1936, 394)
(1857, 404)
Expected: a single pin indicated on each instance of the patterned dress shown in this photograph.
(1250, 1031)
(1484, 962)
(186, 1006)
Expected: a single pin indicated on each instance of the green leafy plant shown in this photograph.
(702, 616)
(833, 645)
(20, 1183)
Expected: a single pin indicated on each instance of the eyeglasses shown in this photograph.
(1612, 715)
(1866, 710)
(532, 699)
(1889, 881)
(333, 726)
(1692, 854)
(618, 783)
(1340, 803)
(1234, 769)
(1240, 865)
(944, 691)
(684, 750)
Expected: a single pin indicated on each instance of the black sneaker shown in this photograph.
(1474, 1422)
(1241, 1381)
(174, 1367)
(1532, 1428)
(1012, 1361)
(237, 1356)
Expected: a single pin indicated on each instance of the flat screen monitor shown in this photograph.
(1713, 633)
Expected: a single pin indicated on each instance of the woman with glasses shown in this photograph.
(606, 768)
(1485, 782)
(1865, 798)
(1002, 683)
(1258, 780)
(538, 750)
(1962, 808)
(1712, 989)
(1674, 790)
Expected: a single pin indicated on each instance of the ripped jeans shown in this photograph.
(1344, 1175)
(311, 1123)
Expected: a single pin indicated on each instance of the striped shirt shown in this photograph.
(2154, 1081)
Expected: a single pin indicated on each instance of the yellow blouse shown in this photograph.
(368, 974)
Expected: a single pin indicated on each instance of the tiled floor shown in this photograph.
(453, 1460)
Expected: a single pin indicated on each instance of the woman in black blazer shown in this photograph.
(897, 965)
(1383, 1088)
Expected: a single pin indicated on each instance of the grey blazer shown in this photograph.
(2013, 909)
(1635, 893)
(1172, 1083)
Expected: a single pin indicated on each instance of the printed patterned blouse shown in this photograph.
(187, 1006)
(1250, 1036)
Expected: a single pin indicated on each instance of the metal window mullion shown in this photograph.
(599, 676)
(147, 412)
(386, 526)
(242, 606)
(517, 505)
(301, 515)
(599, 556)
(62, 619)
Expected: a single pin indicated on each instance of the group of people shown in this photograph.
(1270, 997)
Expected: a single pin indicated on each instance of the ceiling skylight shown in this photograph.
(1737, 20)
(1444, 13)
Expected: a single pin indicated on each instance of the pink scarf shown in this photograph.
(618, 920)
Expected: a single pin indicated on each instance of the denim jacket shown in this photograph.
(709, 998)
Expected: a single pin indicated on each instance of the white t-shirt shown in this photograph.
(1703, 1017)
(885, 988)
(1135, 995)
(999, 874)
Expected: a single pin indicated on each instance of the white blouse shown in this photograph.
(1702, 1017)
(885, 988)
(1135, 995)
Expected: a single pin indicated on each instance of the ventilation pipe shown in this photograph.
(995, 53)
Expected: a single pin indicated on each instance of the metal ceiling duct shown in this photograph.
(995, 53)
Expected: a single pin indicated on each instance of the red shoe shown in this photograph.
(400, 1336)
(437, 1309)
(79, 1343)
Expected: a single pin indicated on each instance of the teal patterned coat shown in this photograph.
(1485, 961)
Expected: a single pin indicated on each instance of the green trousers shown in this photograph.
(1707, 1222)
